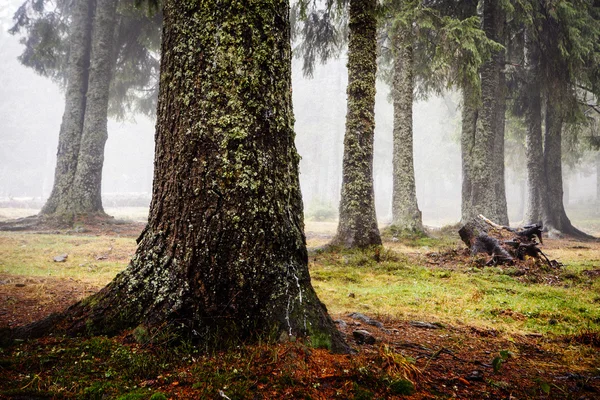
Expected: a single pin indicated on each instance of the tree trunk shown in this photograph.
(71, 127)
(223, 257)
(536, 179)
(405, 210)
(85, 195)
(500, 184)
(467, 142)
(78, 175)
(556, 216)
(484, 181)
(358, 223)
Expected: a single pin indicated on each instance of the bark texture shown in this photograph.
(485, 159)
(83, 134)
(85, 193)
(69, 137)
(536, 186)
(223, 257)
(358, 222)
(405, 209)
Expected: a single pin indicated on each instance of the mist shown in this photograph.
(31, 109)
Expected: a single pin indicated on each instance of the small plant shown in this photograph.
(402, 387)
(158, 396)
(498, 361)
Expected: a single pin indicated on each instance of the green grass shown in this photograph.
(89, 257)
(491, 297)
(398, 280)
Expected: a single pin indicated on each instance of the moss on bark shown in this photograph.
(358, 222)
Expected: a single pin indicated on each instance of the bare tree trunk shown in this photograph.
(358, 222)
(223, 257)
(405, 210)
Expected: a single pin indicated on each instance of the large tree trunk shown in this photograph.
(358, 223)
(536, 180)
(223, 257)
(405, 210)
(71, 127)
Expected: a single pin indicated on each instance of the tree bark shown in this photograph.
(85, 194)
(467, 142)
(536, 179)
(223, 257)
(71, 127)
(405, 209)
(482, 170)
(357, 225)
(83, 134)
(500, 184)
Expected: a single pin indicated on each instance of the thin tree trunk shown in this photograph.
(71, 127)
(500, 186)
(358, 222)
(467, 142)
(223, 257)
(536, 179)
(85, 195)
(405, 210)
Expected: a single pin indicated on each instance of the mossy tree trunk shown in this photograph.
(484, 183)
(405, 209)
(223, 257)
(357, 225)
(470, 111)
(83, 134)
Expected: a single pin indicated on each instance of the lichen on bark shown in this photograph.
(405, 210)
(357, 225)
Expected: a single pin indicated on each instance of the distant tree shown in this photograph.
(561, 51)
(99, 55)
(223, 257)
(357, 225)
(434, 46)
(321, 39)
(483, 128)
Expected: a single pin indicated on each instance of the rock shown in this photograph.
(61, 258)
(365, 319)
(341, 323)
(361, 336)
(426, 325)
(476, 375)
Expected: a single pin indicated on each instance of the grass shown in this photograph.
(90, 258)
(405, 285)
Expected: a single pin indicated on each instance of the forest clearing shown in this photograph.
(439, 319)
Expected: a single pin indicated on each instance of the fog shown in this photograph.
(31, 109)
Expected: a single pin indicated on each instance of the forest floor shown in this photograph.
(442, 325)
